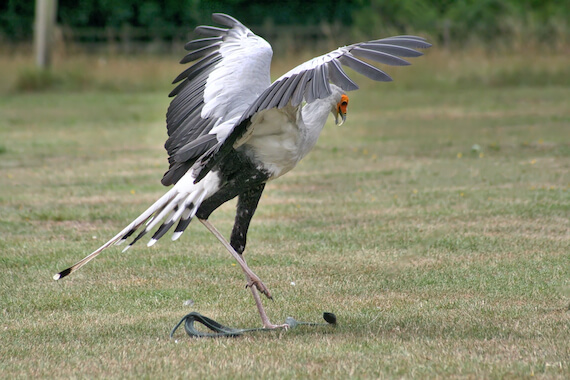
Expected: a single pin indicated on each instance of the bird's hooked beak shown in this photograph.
(341, 109)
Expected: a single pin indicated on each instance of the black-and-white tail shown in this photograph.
(179, 204)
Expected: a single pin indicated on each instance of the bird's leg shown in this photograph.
(253, 282)
(247, 203)
(252, 279)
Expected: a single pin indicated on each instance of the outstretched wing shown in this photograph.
(232, 71)
(310, 81)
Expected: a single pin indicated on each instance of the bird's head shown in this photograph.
(341, 110)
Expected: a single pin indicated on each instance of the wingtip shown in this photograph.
(224, 19)
(56, 276)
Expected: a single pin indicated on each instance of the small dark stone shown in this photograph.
(330, 318)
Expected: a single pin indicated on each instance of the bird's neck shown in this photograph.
(314, 116)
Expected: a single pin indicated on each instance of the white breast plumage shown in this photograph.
(275, 142)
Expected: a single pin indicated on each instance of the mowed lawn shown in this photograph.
(434, 224)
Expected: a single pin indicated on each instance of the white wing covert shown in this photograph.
(232, 71)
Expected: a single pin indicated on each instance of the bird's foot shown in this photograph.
(271, 326)
(259, 285)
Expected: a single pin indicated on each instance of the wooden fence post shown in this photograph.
(43, 31)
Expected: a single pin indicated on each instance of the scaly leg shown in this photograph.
(252, 278)
(253, 282)
(264, 319)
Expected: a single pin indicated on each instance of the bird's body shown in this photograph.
(231, 130)
(281, 138)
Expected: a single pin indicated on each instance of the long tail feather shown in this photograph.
(180, 202)
(124, 234)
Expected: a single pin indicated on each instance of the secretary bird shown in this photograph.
(231, 130)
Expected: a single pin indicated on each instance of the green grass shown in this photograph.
(434, 223)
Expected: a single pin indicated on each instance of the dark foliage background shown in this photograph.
(451, 20)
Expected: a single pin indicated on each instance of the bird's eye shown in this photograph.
(345, 103)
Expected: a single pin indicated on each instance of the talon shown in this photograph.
(259, 286)
(263, 289)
